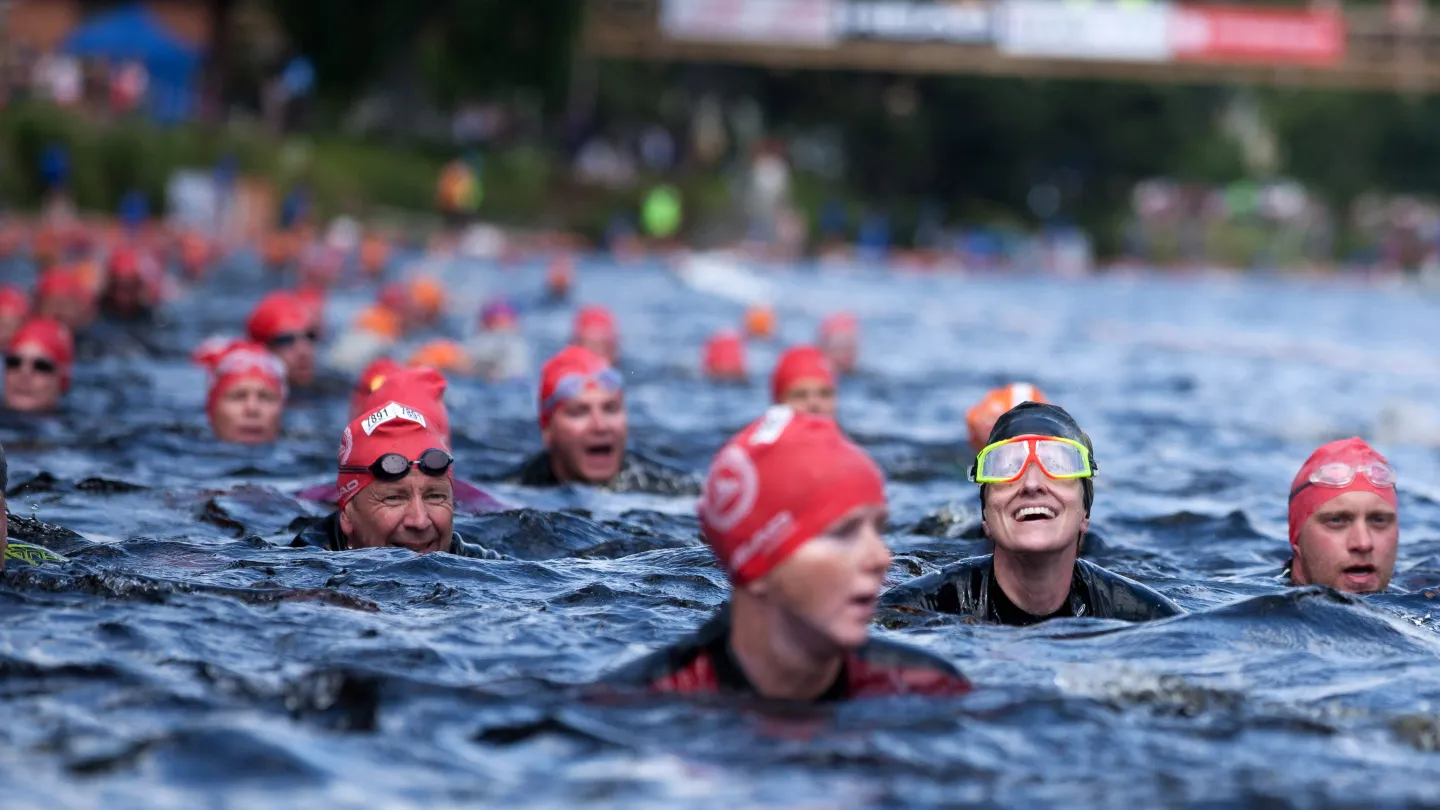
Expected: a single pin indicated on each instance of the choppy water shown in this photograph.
(187, 658)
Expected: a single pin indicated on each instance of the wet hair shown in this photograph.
(1042, 419)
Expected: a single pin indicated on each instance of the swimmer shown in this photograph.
(1344, 527)
(38, 362)
(286, 326)
(61, 294)
(14, 309)
(796, 515)
(724, 357)
(369, 380)
(840, 340)
(499, 352)
(981, 418)
(1035, 496)
(130, 292)
(396, 488)
(805, 380)
(246, 399)
(584, 427)
(595, 330)
(760, 322)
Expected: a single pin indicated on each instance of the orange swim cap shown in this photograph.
(760, 322)
(981, 418)
(445, 355)
(380, 321)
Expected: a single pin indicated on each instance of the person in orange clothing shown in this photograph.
(595, 330)
(840, 340)
(724, 357)
(286, 326)
(14, 309)
(246, 397)
(804, 379)
(38, 362)
(981, 418)
(442, 354)
(427, 296)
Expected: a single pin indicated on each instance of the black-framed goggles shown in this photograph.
(394, 466)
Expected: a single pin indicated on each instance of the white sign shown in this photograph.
(1099, 30)
(761, 22)
(394, 410)
(913, 21)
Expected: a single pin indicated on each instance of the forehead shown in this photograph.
(30, 348)
(414, 481)
(593, 396)
(246, 385)
(1357, 502)
(808, 383)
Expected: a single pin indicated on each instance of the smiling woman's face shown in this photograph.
(1035, 514)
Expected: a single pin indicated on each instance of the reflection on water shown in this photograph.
(187, 653)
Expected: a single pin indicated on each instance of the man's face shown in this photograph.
(1035, 514)
(248, 413)
(812, 395)
(32, 380)
(586, 436)
(417, 512)
(1349, 544)
(297, 351)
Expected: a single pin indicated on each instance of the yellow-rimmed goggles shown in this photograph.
(1005, 461)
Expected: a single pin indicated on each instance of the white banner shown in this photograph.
(760, 22)
(893, 19)
(1098, 29)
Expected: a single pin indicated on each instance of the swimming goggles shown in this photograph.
(1338, 475)
(15, 362)
(290, 338)
(394, 466)
(573, 385)
(1005, 461)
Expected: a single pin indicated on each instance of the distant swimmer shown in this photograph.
(1344, 525)
(1035, 497)
(595, 330)
(38, 363)
(723, 358)
(796, 514)
(498, 352)
(131, 289)
(286, 325)
(982, 417)
(584, 428)
(14, 309)
(246, 398)
(396, 486)
(839, 338)
(804, 379)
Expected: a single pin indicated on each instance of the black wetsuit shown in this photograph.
(326, 534)
(969, 588)
(704, 664)
(637, 474)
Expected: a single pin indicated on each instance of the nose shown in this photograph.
(875, 554)
(1033, 479)
(1361, 539)
(417, 517)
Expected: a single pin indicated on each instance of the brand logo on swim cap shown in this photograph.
(393, 410)
(731, 489)
(776, 419)
(347, 445)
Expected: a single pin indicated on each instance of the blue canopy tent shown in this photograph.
(132, 32)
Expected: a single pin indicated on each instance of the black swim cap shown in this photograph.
(1043, 419)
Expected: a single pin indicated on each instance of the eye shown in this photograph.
(437, 498)
(1381, 520)
(394, 500)
(1336, 521)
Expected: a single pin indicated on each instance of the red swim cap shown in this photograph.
(839, 326)
(391, 428)
(241, 360)
(277, 314)
(422, 387)
(13, 301)
(725, 354)
(61, 283)
(1353, 452)
(595, 321)
(54, 340)
(796, 364)
(569, 361)
(374, 374)
(778, 483)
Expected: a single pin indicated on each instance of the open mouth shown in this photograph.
(1029, 514)
(1360, 570)
(600, 451)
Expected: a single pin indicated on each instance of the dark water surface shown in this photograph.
(188, 658)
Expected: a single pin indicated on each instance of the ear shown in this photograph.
(545, 437)
(1084, 525)
(346, 524)
(758, 589)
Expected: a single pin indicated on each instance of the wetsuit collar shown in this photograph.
(732, 676)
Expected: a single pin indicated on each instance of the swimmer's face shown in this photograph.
(1035, 514)
(843, 353)
(32, 380)
(599, 342)
(811, 395)
(70, 311)
(829, 586)
(417, 512)
(1349, 544)
(248, 412)
(586, 436)
(126, 294)
(9, 324)
(297, 351)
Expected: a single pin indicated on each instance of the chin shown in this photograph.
(599, 473)
(1030, 541)
(848, 636)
